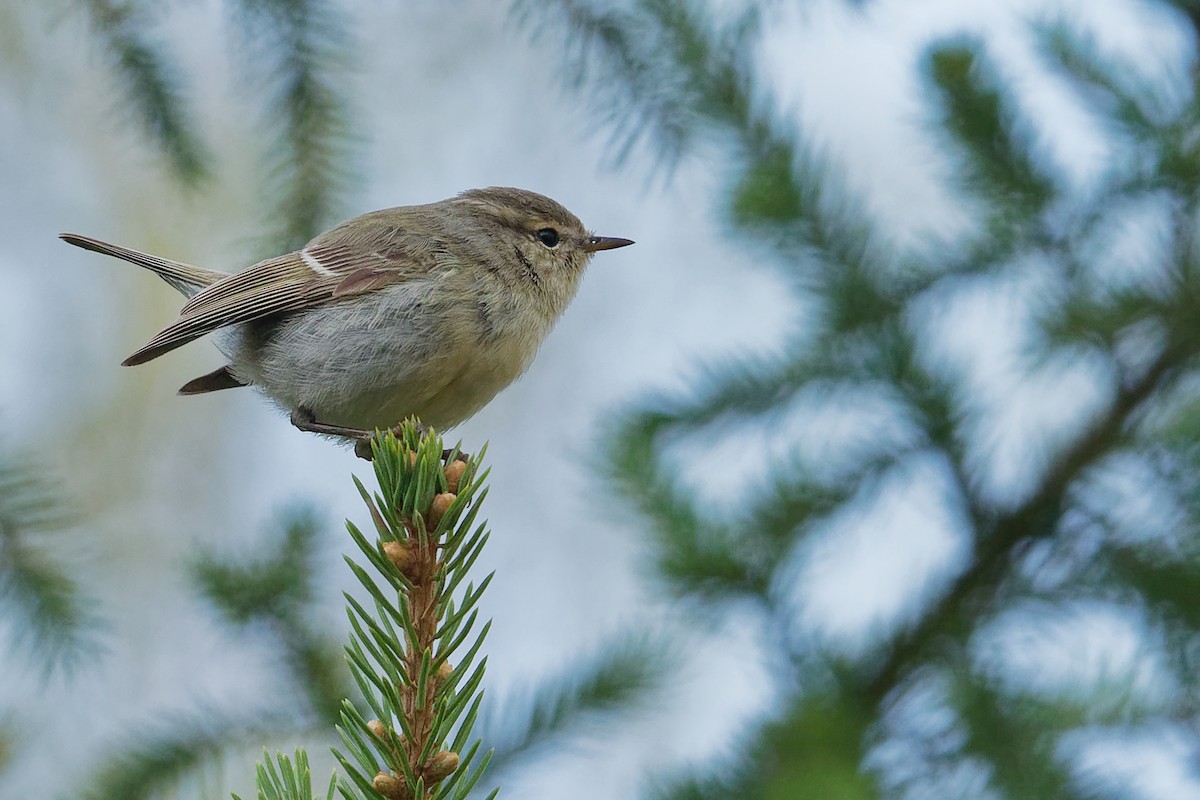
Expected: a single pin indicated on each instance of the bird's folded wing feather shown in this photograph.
(302, 279)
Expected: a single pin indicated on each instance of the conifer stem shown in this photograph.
(418, 695)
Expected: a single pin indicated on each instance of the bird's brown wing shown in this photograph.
(323, 271)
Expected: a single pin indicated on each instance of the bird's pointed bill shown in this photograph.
(594, 243)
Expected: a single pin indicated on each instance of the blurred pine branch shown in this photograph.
(151, 85)
(270, 599)
(302, 49)
(296, 54)
(590, 696)
(276, 597)
(683, 78)
(40, 600)
(175, 753)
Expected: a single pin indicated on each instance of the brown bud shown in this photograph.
(377, 729)
(439, 507)
(392, 786)
(410, 458)
(454, 473)
(402, 556)
(441, 766)
(444, 671)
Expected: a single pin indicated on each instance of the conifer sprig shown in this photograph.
(416, 743)
(413, 741)
(285, 779)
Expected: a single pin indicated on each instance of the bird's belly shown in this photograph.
(378, 370)
(440, 398)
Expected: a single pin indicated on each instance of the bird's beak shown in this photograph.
(594, 243)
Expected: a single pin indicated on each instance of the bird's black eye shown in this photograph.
(548, 237)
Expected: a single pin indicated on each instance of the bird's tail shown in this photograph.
(187, 279)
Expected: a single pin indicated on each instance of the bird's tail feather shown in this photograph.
(187, 279)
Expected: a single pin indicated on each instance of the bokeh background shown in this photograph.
(869, 472)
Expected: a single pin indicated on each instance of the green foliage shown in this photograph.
(810, 755)
(297, 58)
(271, 599)
(177, 752)
(675, 74)
(284, 779)
(1157, 580)
(980, 115)
(151, 86)
(1118, 98)
(423, 705)
(670, 75)
(49, 616)
(279, 593)
(278, 587)
(617, 54)
(303, 44)
(596, 690)
(1016, 738)
(767, 194)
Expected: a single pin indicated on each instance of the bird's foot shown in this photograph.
(304, 419)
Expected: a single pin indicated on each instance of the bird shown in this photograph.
(423, 311)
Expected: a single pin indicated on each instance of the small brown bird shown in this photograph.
(423, 311)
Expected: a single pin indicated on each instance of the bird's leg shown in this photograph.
(304, 419)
